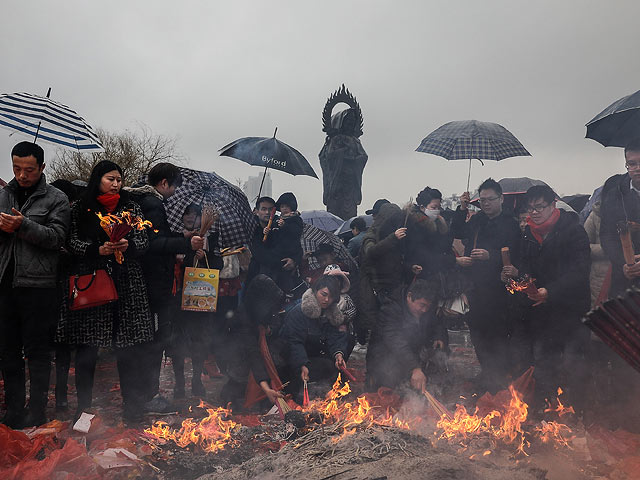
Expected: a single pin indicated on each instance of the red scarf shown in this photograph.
(109, 201)
(541, 231)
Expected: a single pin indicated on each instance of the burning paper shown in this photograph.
(117, 226)
(524, 284)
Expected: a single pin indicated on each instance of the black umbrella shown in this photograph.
(617, 124)
(268, 153)
(469, 139)
(513, 189)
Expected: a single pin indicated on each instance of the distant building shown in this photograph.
(251, 187)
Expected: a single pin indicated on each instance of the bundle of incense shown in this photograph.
(117, 227)
(348, 374)
(209, 217)
(524, 284)
(627, 243)
(409, 206)
(437, 407)
(225, 252)
(273, 212)
(283, 407)
(506, 256)
(305, 397)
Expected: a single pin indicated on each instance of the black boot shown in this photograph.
(39, 376)
(15, 397)
(63, 363)
(197, 388)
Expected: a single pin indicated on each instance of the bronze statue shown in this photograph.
(342, 157)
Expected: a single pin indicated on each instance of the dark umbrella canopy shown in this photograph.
(346, 225)
(269, 153)
(617, 124)
(468, 139)
(513, 189)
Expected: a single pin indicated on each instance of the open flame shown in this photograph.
(506, 426)
(212, 433)
(524, 284)
(117, 226)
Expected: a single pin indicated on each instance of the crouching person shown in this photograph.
(316, 347)
(407, 324)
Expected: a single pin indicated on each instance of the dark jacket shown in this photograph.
(428, 244)
(122, 323)
(282, 242)
(490, 234)
(618, 204)
(394, 350)
(561, 264)
(159, 261)
(310, 332)
(259, 306)
(34, 248)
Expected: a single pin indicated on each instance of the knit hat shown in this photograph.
(336, 270)
(287, 198)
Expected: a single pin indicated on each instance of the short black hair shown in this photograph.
(333, 284)
(164, 170)
(490, 184)
(544, 192)
(632, 146)
(426, 195)
(193, 208)
(423, 289)
(69, 189)
(26, 149)
(358, 223)
(265, 199)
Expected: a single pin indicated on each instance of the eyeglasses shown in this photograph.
(487, 199)
(537, 208)
(632, 166)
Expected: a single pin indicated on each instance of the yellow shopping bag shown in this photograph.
(200, 288)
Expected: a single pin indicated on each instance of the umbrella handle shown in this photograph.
(262, 182)
(468, 176)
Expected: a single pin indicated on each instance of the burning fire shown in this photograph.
(117, 226)
(524, 284)
(212, 433)
(506, 427)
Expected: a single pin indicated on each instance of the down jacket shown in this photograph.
(35, 247)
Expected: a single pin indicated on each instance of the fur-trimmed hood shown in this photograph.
(142, 190)
(311, 309)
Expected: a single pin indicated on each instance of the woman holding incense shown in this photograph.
(555, 252)
(123, 324)
(316, 342)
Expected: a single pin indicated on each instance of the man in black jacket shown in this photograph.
(407, 323)
(484, 235)
(34, 220)
(620, 203)
(158, 264)
(556, 252)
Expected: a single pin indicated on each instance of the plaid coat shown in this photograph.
(124, 322)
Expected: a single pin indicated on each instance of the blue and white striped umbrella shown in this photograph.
(42, 119)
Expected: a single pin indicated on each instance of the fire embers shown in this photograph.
(524, 284)
(212, 434)
(117, 226)
(506, 426)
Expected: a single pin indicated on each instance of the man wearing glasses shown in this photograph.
(556, 252)
(621, 204)
(483, 236)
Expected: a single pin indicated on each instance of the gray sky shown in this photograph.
(209, 72)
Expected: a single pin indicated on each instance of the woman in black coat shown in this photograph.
(123, 324)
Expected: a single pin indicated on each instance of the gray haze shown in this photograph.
(209, 72)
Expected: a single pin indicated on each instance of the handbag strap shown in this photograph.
(206, 259)
(75, 282)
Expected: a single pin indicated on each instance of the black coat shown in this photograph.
(164, 244)
(122, 323)
(561, 265)
(394, 349)
(618, 204)
(490, 234)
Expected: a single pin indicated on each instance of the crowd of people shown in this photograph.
(295, 316)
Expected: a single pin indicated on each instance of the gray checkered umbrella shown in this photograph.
(312, 237)
(237, 221)
(469, 139)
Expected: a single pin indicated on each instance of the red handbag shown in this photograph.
(93, 290)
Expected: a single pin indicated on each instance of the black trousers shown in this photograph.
(489, 326)
(27, 324)
(151, 353)
(130, 372)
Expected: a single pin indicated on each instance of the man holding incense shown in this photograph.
(484, 235)
(34, 221)
(158, 264)
(620, 204)
(556, 253)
